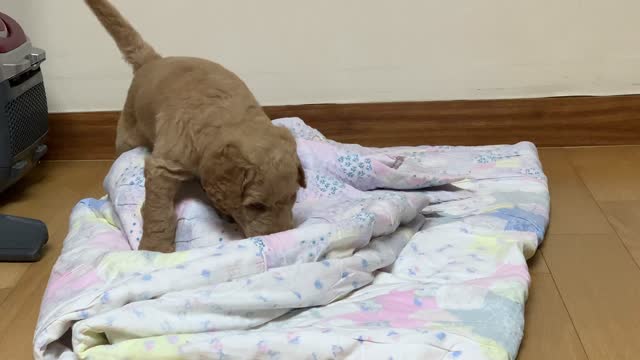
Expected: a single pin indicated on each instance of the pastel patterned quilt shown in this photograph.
(398, 253)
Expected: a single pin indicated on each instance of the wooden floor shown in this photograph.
(585, 296)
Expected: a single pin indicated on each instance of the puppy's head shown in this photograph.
(255, 179)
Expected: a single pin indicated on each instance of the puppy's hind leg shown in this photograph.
(127, 136)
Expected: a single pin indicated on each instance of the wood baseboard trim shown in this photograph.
(547, 122)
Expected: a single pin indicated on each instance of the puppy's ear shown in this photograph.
(227, 171)
(302, 177)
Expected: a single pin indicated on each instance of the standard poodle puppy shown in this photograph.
(201, 121)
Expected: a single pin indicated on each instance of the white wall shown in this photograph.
(292, 51)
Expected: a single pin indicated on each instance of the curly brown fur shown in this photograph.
(201, 121)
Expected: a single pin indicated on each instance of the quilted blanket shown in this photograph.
(398, 253)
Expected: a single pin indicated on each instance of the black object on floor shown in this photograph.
(21, 239)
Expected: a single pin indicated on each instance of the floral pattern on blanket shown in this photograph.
(398, 253)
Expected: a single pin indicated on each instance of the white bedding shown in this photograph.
(432, 267)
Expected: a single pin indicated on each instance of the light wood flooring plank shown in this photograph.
(549, 333)
(10, 273)
(624, 216)
(4, 293)
(600, 285)
(537, 265)
(611, 173)
(573, 209)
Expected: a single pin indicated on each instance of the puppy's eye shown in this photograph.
(260, 207)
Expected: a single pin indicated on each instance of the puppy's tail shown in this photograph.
(135, 50)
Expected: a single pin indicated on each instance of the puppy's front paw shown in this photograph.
(160, 246)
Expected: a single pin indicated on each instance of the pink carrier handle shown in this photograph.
(13, 37)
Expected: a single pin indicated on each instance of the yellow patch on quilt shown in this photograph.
(128, 262)
(495, 245)
(159, 347)
(488, 243)
(508, 163)
(492, 349)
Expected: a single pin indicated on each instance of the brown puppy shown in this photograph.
(201, 121)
